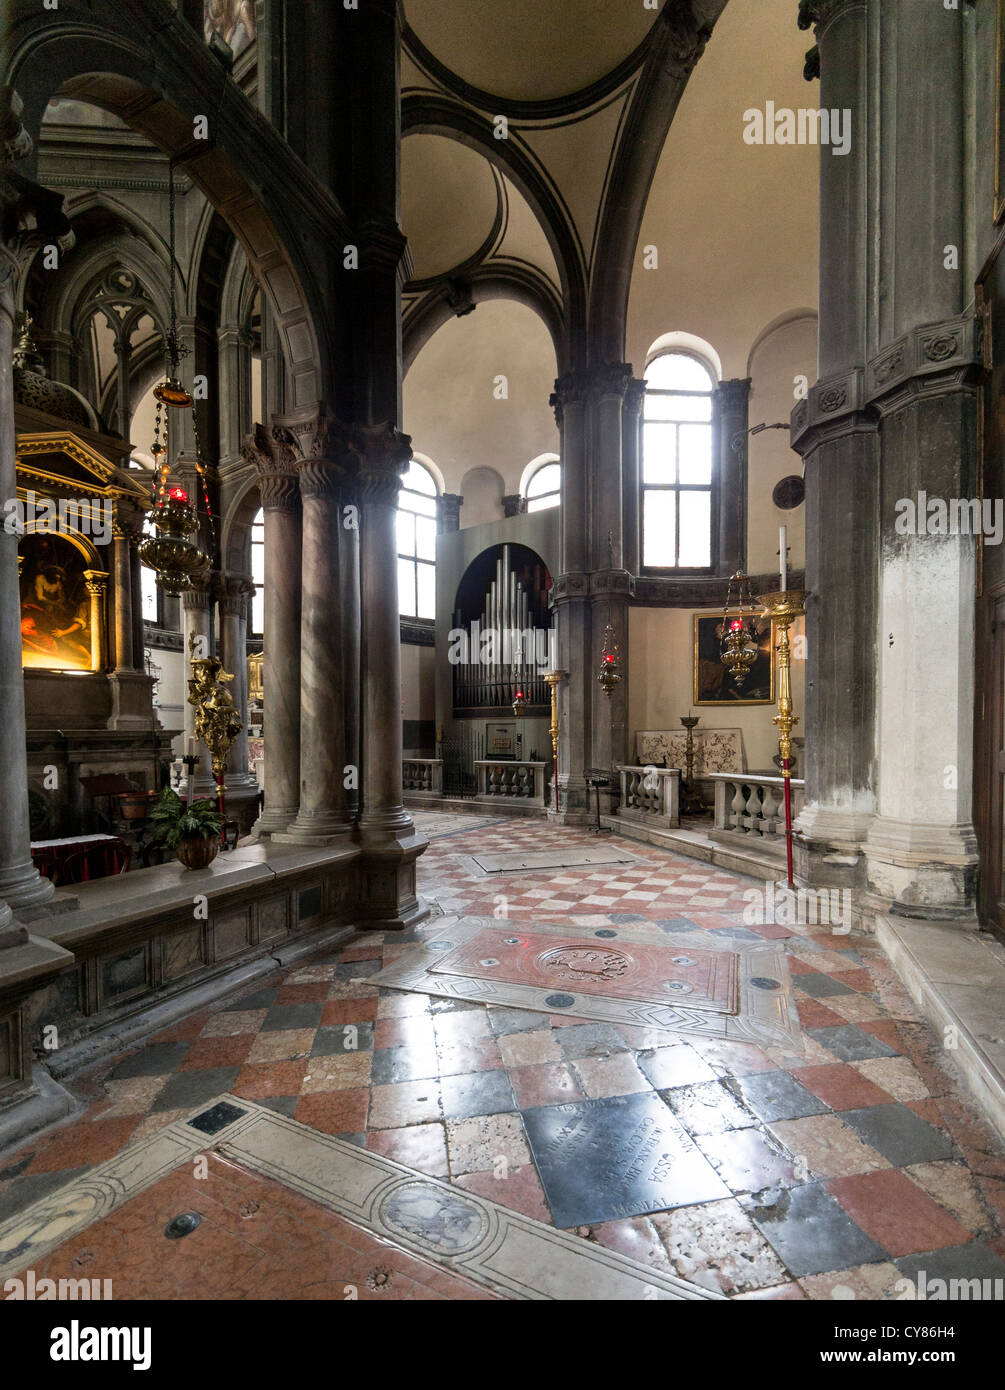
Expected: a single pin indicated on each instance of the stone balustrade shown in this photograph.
(651, 795)
(751, 808)
(511, 781)
(422, 775)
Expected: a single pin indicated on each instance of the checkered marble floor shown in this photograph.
(837, 1171)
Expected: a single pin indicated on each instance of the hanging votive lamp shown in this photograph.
(610, 662)
(519, 703)
(738, 633)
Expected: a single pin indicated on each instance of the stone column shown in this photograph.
(95, 582)
(449, 511)
(730, 417)
(136, 592)
(383, 815)
(631, 479)
(323, 817)
(123, 598)
(233, 593)
(195, 604)
(26, 206)
(280, 497)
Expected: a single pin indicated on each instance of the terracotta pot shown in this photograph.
(134, 805)
(198, 850)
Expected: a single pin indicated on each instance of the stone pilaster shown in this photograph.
(449, 511)
(280, 496)
(730, 416)
(233, 595)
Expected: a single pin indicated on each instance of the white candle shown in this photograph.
(783, 551)
(191, 747)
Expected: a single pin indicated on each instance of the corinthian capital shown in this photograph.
(685, 38)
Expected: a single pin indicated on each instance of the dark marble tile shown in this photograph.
(477, 1093)
(219, 1117)
(819, 986)
(404, 1062)
(356, 969)
(899, 1134)
(849, 1043)
(677, 924)
(330, 1042)
(186, 1089)
(261, 999)
(515, 1021)
(626, 916)
(23, 1191)
(358, 1139)
(737, 933)
(590, 1040)
(973, 1261)
(603, 1159)
(810, 1231)
(284, 1105)
(776, 1095)
(159, 1059)
(287, 1016)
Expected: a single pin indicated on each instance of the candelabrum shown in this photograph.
(552, 678)
(691, 802)
(783, 608)
(217, 721)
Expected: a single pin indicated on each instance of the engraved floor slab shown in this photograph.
(500, 1249)
(515, 860)
(601, 1160)
(657, 973)
(727, 988)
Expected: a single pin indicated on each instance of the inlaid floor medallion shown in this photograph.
(687, 982)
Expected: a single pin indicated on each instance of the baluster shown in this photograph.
(736, 807)
(769, 811)
(752, 816)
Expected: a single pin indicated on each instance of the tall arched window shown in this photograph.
(544, 487)
(417, 543)
(256, 627)
(677, 472)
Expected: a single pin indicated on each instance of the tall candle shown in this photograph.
(783, 551)
(191, 747)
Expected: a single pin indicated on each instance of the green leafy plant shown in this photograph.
(174, 819)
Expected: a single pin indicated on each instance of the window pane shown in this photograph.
(694, 453)
(412, 502)
(258, 612)
(659, 444)
(148, 588)
(406, 533)
(541, 504)
(406, 588)
(695, 529)
(258, 563)
(678, 407)
(425, 538)
(676, 371)
(659, 528)
(546, 479)
(419, 479)
(426, 576)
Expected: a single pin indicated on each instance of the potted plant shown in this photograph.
(191, 829)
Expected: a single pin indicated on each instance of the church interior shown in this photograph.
(502, 650)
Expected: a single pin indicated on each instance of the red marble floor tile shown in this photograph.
(858, 979)
(928, 1110)
(83, 1143)
(520, 1190)
(314, 992)
(262, 1080)
(635, 1237)
(813, 1014)
(217, 1052)
(367, 950)
(184, 1030)
(799, 967)
(895, 1213)
(417, 1146)
(462, 1058)
(338, 1011)
(885, 1029)
(771, 931)
(841, 1086)
(414, 1031)
(334, 1112)
(550, 1083)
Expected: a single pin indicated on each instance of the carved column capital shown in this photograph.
(684, 38)
(732, 396)
(449, 505)
(233, 592)
(95, 581)
(635, 396)
(320, 477)
(275, 463)
(196, 597)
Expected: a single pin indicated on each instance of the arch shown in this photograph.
(147, 66)
(692, 345)
(235, 533)
(533, 467)
(433, 469)
(782, 321)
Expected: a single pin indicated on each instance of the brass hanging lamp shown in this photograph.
(172, 553)
(737, 633)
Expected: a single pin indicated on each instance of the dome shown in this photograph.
(53, 398)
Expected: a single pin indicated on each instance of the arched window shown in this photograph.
(677, 459)
(417, 543)
(256, 627)
(544, 487)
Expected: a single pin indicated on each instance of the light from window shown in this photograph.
(677, 464)
(417, 543)
(258, 575)
(148, 594)
(545, 488)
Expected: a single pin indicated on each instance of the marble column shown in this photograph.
(631, 479)
(195, 604)
(323, 816)
(280, 497)
(96, 582)
(28, 211)
(382, 812)
(123, 591)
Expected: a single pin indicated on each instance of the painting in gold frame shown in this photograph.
(713, 684)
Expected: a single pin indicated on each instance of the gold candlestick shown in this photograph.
(783, 609)
(552, 678)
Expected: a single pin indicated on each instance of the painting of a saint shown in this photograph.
(233, 20)
(55, 606)
(713, 684)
